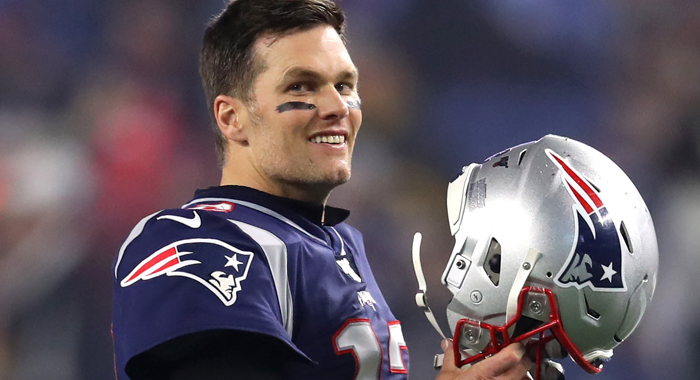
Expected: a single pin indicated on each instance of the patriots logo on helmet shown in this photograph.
(595, 260)
(218, 266)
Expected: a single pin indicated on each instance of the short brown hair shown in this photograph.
(227, 62)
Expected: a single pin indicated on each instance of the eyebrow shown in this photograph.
(305, 73)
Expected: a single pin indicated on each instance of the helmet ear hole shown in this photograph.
(492, 263)
(521, 156)
(625, 237)
(589, 311)
(593, 185)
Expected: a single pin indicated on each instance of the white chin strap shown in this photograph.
(421, 296)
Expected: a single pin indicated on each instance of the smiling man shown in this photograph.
(294, 137)
(258, 278)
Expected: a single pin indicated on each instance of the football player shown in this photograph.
(258, 278)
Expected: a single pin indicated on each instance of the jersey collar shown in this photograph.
(293, 209)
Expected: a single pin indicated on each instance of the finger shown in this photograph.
(448, 361)
(518, 371)
(511, 357)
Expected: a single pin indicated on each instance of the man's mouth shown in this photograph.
(333, 139)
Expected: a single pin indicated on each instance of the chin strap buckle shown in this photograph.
(438, 360)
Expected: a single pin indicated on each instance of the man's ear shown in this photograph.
(230, 114)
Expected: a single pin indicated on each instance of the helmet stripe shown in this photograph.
(589, 191)
(581, 200)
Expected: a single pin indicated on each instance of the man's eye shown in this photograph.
(299, 87)
(343, 88)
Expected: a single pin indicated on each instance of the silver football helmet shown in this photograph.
(552, 240)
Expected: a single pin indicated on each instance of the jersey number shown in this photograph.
(357, 337)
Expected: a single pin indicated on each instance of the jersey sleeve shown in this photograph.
(186, 271)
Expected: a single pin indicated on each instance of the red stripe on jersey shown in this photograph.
(144, 266)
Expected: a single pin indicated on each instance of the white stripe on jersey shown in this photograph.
(133, 235)
(276, 252)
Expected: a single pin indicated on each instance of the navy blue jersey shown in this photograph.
(235, 258)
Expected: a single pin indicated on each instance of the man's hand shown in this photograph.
(511, 363)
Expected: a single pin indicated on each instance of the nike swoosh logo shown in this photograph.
(194, 222)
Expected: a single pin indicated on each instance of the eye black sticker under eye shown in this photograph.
(354, 104)
(289, 106)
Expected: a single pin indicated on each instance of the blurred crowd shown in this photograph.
(103, 121)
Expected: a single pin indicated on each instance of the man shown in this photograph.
(258, 278)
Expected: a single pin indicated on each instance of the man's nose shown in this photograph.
(332, 105)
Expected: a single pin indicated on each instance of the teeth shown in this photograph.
(337, 139)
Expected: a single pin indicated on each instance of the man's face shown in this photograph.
(306, 95)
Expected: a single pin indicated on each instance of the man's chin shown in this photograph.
(332, 175)
(314, 182)
(324, 184)
(341, 176)
(330, 182)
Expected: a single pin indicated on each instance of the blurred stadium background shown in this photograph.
(102, 121)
